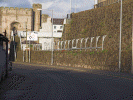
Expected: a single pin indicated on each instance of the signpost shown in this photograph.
(31, 37)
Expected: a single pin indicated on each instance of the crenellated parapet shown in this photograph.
(1, 8)
(16, 10)
(7, 8)
(37, 6)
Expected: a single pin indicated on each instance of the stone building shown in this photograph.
(17, 18)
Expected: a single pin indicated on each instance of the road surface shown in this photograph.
(39, 82)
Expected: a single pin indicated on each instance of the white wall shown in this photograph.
(46, 43)
(47, 27)
(24, 47)
(64, 21)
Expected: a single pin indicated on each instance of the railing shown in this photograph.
(74, 44)
(62, 44)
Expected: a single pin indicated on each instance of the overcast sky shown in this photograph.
(61, 7)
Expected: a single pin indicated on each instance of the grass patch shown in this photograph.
(103, 51)
(91, 52)
(110, 36)
(75, 54)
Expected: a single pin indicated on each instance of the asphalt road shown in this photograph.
(38, 82)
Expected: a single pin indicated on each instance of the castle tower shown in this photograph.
(36, 16)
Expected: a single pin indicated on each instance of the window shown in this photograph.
(61, 27)
(54, 27)
(59, 30)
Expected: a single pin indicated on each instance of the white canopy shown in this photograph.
(41, 34)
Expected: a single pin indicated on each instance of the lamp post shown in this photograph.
(120, 38)
(75, 6)
(52, 36)
(26, 45)
(132, 48)
(70, 6)
(52, 40)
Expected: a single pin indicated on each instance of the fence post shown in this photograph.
(68, 43)
(58, 45)
(86, 42)
(72, 43)
(65, 44)
(77, 42)
(97, 41)
(103, 40)
(91, 42)
(81, 43)
(61, 44)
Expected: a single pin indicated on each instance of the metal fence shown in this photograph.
(74, 44)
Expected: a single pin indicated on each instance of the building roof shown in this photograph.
(31, 42)
(57, 21)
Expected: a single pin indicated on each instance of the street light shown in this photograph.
(132, 48)
(52, 36)
(120, 38)
(70, 6)
(75, 6)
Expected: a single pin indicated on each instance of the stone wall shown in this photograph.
(92, 23)
(103, 21)
(104, 60)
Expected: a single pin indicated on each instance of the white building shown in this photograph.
(45, 34)
(58, 25)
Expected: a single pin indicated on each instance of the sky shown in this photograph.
(60, 7)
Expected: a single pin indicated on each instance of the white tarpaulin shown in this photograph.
(32, 36)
